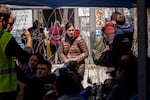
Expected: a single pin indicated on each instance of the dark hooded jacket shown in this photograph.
(126, 31)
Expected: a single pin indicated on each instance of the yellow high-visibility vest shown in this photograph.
(8, 77)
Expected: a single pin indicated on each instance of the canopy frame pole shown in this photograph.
(142, 50)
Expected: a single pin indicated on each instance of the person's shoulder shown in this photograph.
(125, 26)
(79, 37)
(120, 86)
(6, 34)
(109, 23)
(13, 40)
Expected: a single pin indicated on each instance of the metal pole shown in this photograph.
(92, 33)
(142, 50)
(76, 19)
(65, 15)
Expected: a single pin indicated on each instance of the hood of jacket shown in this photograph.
(122, 29)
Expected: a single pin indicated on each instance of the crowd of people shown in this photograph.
(27, 75)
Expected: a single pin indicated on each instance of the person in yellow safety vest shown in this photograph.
(9, 49)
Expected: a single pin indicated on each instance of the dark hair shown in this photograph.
(47, 63)
(39, 56)
(66, 85)
(68, 25)
(129, 65)
(114, 15)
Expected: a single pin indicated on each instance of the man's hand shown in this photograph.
(27, 36)
(26, 33)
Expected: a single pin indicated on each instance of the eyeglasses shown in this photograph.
(11, 24)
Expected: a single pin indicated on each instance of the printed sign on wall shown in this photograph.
(23, 20)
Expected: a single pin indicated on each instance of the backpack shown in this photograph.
(123, 36)
(99, 47)
(123, 41)
(109, 32)
(105, 58)
(121, 44)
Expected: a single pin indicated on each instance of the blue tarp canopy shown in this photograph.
(71, 3)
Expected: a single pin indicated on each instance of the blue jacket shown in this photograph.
(125, 33)
(124, 29)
